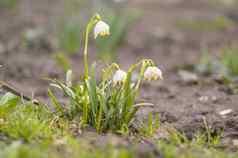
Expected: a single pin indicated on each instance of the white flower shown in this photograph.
(69, 78)
(153, 73)
(119, 77)
(101, 29)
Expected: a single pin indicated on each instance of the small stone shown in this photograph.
(188, 77)
(160, 33)
(203, 99)
(225, 112)
(235, 142)
(34, 34)
(214, 99)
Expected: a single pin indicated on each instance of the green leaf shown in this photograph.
(131, 115)
(150, 124)
(63, 61)
(9, 98)
(56, 104)
(92, 88)
(128, 95)
(7, 103)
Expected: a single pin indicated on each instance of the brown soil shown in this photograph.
(155, 36)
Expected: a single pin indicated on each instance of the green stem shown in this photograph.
(90, 25)
(140, 76)
(85, 54)
(85, 59)
(144, 65)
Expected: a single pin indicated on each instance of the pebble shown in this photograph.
(235, 142)
(188, 77)
(33, 34)
(225, 112)
(203, 99)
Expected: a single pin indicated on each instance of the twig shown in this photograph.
(9, 88)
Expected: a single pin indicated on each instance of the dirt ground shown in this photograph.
(156, 36)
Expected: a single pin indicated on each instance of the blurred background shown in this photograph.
(43, 38)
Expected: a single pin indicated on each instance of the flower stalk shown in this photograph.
(89, 28)
(85, 54)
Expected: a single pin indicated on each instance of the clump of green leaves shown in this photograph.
(104, 106)
(111, 103)
(17, 149)
(24, 121)
(7, 103)
(215, 24)
(8, 3)
(230, 60)
(226, 65)
(69, 147)
(148, 129)
(202, 144)
(209, 65)
(225, 68)
(186, 151)
(206, 137)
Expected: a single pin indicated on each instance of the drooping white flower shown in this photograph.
(69, 78)
(102, 29)
(119, 77)
(153, 73)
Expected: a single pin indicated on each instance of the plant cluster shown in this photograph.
(110, 103)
